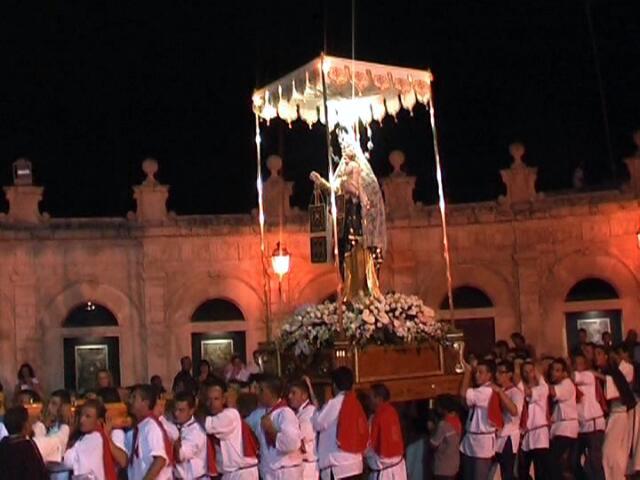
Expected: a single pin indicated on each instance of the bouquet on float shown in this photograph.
(391, 319)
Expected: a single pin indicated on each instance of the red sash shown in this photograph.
(212, 466)
(494, 411)
(386, 433)
(108, 462)
(455, 423)
(601, 397)
(524, 416)
(353, 428)
(249, 447)
(269, 437)
(168, 448)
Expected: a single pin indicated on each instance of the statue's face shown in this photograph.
(346, 145)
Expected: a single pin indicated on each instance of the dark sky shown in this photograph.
(89, 89)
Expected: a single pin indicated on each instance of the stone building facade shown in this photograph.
(539, 264)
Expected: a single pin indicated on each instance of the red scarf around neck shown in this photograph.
(494, 411)
(108, 462)
(386, 433)
(168, 446)
(353, 428)
(270, 437)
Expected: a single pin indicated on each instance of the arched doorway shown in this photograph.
(592, 304)
(89, 345)
(217, 332)
(474, 314)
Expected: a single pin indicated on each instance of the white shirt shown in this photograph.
(627, 370)
(479, 440)
(149, 444)
(330, 457)
(590, 415)
(3, 431)
(384, 468)
(536, 434)
(85, 457)
(511, 428)
(564, 419)
(192, 457)
(241, 376)
(53, 446)
(230, 459)
(284, 460)
(309, 457)
(122, 440)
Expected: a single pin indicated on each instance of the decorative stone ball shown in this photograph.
(150, 167)
(517, 151)
(274, 164)
(396, 159)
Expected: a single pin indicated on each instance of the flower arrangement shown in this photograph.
(391, 319)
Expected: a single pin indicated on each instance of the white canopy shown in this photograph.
(355, 91)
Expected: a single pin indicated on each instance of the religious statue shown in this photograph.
(362, 233)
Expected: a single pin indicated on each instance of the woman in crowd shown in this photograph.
(27, 380)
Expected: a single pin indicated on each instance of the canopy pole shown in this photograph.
(334, 210)
(441, 205)
(263, 255)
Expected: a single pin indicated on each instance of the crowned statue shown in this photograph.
(362, 233)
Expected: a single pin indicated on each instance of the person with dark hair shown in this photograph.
(484, 420)
(445, 438)
(521, 347)
(508, 441)
(91, 451)
(20, 458)
(184, 381)
(564, 418)
(26, 397)
(385, 455)
(156, 382)
(151, 450)
(27, 380)
(204, 372)
(236, 370)
(534, 423)
(278, 434)
(605, 339)
(591, 420)
(501, 349)
(624, 356)
(232, 448)
(105, 389)
(190, 441)
(343, 430)
(300, 401)
(57, 413)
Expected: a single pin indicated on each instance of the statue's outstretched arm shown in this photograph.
(318, 180)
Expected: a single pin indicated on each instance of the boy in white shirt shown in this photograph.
(151, 450)
(87, 453)
(564, 418)
(278, 434)
(591, 419)
(190, 443)
(478, 445)
(534, 424)
(299, 398)
(508, 441)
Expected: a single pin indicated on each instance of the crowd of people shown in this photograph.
(516, 416)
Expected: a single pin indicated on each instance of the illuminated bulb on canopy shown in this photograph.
(280, 261)
(269, 112)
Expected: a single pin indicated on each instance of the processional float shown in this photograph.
(393, 338)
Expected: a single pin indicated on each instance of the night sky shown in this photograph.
(89, 89)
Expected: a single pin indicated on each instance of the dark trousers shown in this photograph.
(563, 450)
(590, 445)
(474, 468)
(540, 459)
(506, 459)
(355, 477)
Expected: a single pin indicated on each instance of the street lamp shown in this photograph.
(280, 261)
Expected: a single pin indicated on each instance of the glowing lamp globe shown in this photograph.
(280, 261)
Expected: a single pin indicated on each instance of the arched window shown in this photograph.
(217, 310)
(90, 314)
(592, 308)
(591, 289)
(474, 315)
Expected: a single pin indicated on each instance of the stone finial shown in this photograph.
(519, 179)
(150, 168)
(398, 188)
(151, 197)
(397, 159)
(22, 172)
(276, 192)
(23, 197)
(633, 164)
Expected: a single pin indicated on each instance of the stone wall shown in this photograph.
(153, 268)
